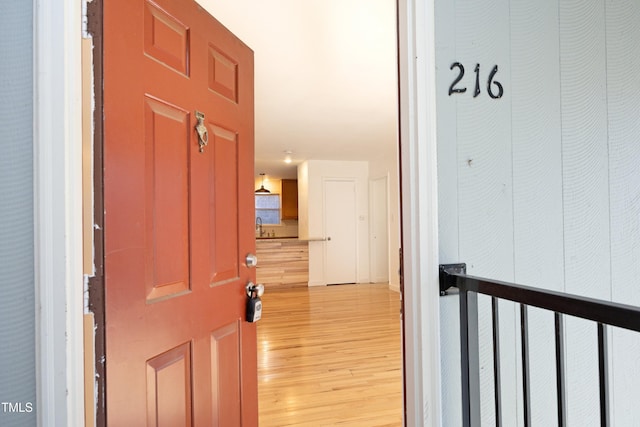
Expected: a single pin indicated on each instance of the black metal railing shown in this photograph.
(604, 313)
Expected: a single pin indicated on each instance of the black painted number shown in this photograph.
(491, 82)
(453, 88)
(477, 91)
(495, 82)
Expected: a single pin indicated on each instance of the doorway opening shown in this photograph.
(313, 103)
(380, 165)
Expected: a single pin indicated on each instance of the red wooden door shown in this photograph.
(178, 219)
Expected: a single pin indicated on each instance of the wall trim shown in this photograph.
(419, 205)
(316, 283)
(58, 212)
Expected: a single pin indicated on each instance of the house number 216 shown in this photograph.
(491, 82)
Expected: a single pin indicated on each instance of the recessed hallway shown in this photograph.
(330, 356)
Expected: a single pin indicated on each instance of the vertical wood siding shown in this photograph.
(623, 93)
(542, 187)
(537, 180)
(585, 188)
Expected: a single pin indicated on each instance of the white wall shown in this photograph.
(310, 210)
(541, 187)
(303, 200)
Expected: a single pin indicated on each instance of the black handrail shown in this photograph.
(605, 313)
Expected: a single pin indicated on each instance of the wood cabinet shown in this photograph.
(289, 199)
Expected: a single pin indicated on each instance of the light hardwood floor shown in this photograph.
(330, 356)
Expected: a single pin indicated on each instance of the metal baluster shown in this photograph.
(469, 359)
(603, 361)
(560, 377)
(496, 360)
(524, 334)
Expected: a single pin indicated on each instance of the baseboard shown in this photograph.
(394, 287)
(311, 284)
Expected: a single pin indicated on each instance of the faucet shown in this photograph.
(259, 226)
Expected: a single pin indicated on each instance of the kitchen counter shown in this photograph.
(276, 238)
(311, 239)
(282, 262)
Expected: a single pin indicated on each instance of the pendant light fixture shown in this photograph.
(262, 189)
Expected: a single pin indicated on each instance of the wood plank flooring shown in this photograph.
(330, 356)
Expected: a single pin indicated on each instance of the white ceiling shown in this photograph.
(325, 78)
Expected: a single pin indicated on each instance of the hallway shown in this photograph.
(330, 356)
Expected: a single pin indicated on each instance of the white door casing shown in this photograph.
(57, 140)
(419, 184)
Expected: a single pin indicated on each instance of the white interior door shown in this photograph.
(379, 232)
(340, 225)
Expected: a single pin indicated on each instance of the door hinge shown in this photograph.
(400, 270)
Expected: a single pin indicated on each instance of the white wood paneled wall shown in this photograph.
(623, 94)
(542, 187)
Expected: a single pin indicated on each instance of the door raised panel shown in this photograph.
(167, 198)
(166, 38)
(224, 194)
(223, 74)
(169, 388)
(225, 372)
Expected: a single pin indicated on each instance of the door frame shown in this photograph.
(419, 206)
(59, 283)
(57, 143)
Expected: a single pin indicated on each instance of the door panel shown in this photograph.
(224, 192)
(225, 370)
(169, 388)
(178, 220)
(167, 198)
(223, 74)
(166, 38)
